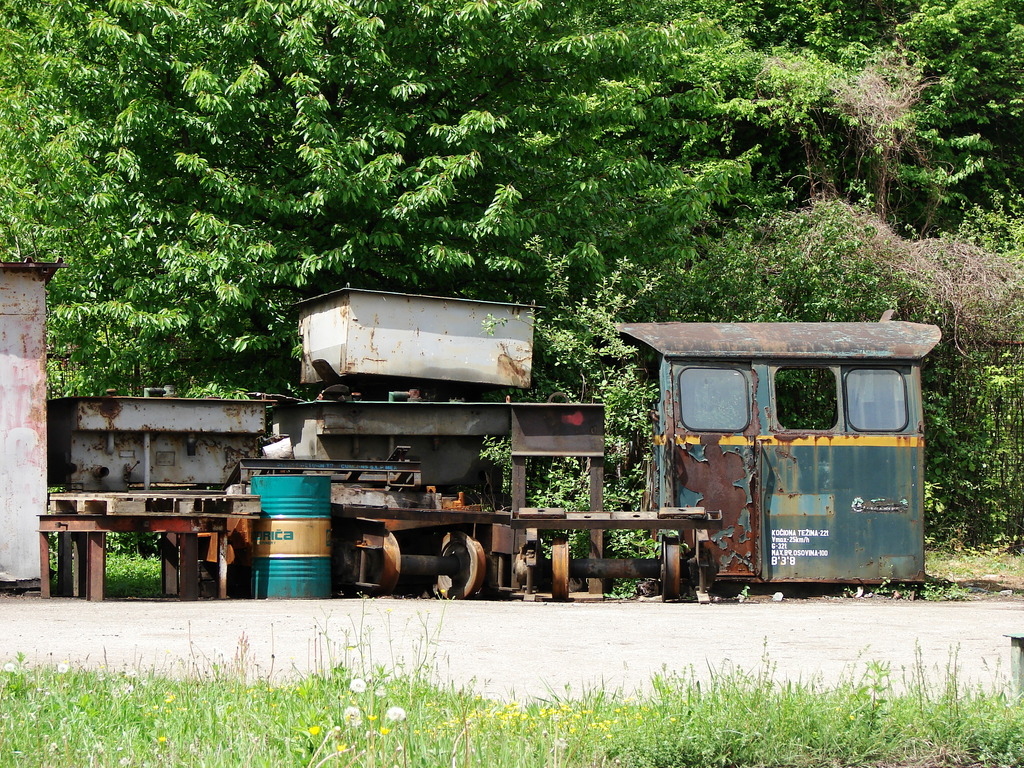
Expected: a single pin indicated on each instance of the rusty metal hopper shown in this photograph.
(356, 333)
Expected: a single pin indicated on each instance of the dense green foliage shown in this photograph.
(201, 166)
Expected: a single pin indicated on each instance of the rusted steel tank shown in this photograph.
(809, 437)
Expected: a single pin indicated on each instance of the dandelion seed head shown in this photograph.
(358, 685)
(395, 714)
(353, 717)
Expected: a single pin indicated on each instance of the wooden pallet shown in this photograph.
(206, 504)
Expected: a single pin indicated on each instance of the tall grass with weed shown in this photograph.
(743, 719)
(133, 575)
(60, 715)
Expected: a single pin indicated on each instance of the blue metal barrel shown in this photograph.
(292, 538)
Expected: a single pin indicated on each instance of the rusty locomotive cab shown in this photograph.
(808, 437)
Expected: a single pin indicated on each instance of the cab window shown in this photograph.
(714, 399)
(806, 398)
(876, 400)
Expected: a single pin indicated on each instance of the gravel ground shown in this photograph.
(516, 649)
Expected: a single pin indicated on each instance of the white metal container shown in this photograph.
(372, 333)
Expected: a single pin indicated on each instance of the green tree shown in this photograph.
(224, 160)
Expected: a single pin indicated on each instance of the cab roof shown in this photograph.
(886, 340)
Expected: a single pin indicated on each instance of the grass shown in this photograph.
(132, 575)
(221, 716)
(993, 564)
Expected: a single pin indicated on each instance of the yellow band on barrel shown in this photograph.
(291, 537)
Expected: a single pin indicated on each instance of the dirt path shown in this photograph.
(523, 649)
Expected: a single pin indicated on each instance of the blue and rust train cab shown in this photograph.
(809, 437)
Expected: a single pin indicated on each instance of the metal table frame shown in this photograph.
(81, 542)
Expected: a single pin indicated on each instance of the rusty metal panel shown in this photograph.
(716, 472)
(22, 418)
(427, 419)
(822, 341)
(372, 333)
(557, 429)
(446, 438)
(116, 443)
(159, 414)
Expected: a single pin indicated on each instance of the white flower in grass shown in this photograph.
(358, 685)
(10, 666)
(63, 668)
(395, 714)
(353, 717)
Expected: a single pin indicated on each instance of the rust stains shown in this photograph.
(720, 475)
(713, 473)
(516, 369)
(109, 408)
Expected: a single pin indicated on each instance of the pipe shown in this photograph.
(430, 565)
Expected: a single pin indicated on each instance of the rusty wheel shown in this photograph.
(560, 569)
(390, 567)
(472, 566)
(670, 570)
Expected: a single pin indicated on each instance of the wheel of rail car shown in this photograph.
(670, 570)
(472, 566)
(390, 566)
(560, 569)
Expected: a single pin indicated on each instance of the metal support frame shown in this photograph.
(81, 551)
(560, 430)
